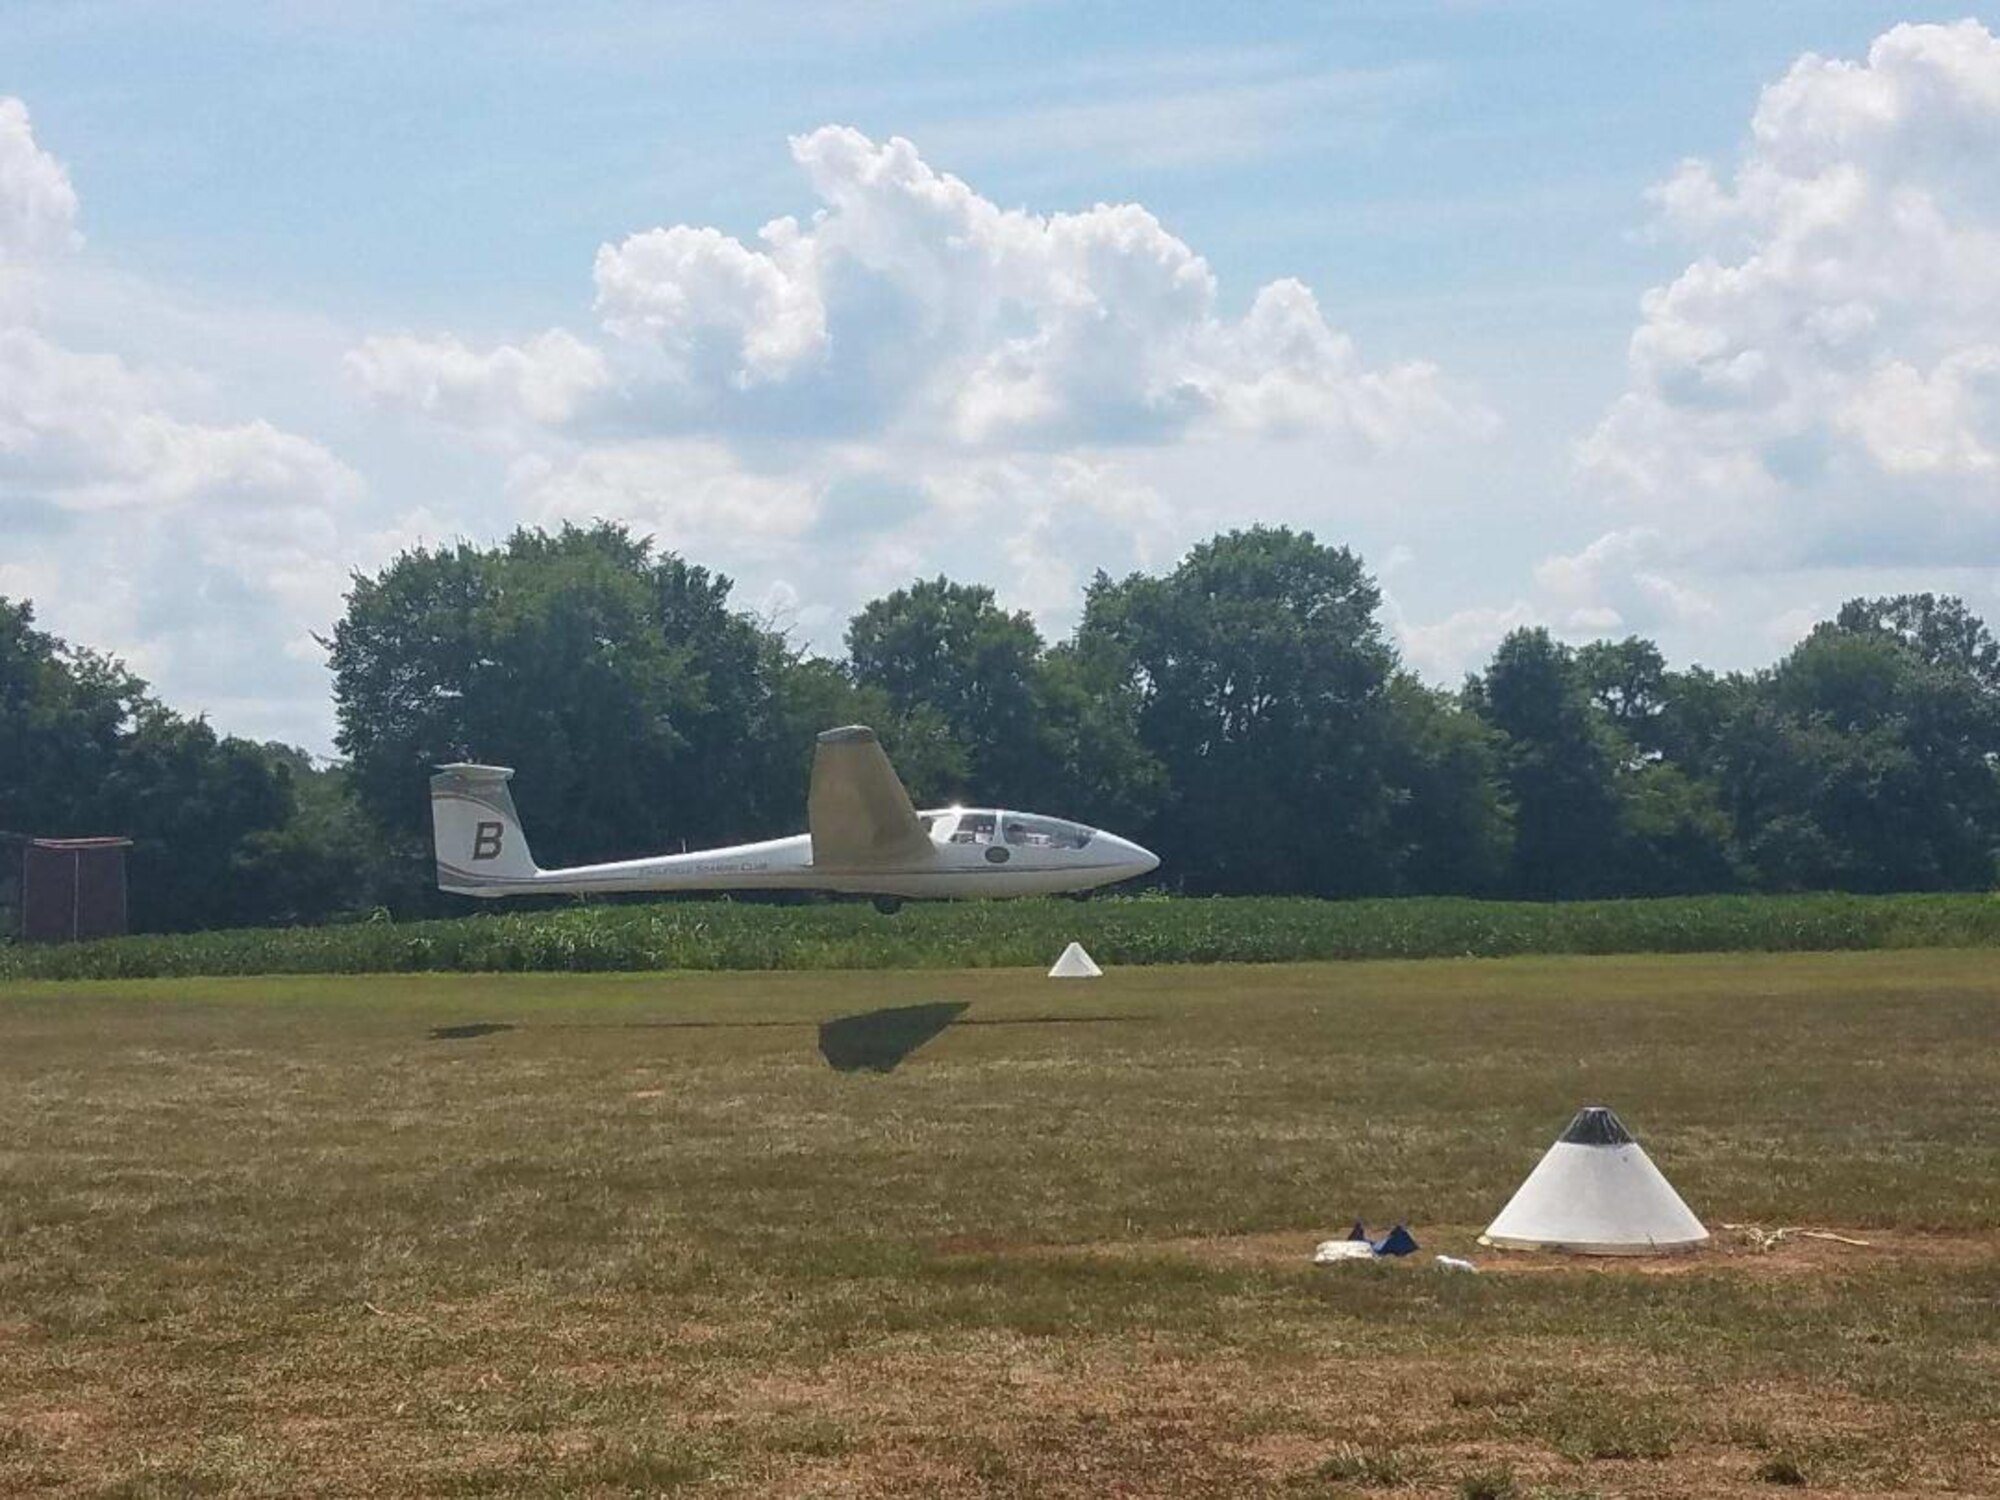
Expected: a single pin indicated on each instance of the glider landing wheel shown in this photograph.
(888, 905)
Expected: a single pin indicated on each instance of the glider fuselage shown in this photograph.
(865, 839)
(980, 863)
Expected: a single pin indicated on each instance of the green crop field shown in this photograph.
(632, 1234)
(991, 934)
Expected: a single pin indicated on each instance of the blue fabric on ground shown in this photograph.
(1398, 1241)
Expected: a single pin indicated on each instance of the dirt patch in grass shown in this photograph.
(1733, 1252)
(1023, 1417)
(1739, 1253)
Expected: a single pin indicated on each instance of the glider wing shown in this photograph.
(860, 815)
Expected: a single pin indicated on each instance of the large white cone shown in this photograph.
(1075, 964)
(1596, 1193)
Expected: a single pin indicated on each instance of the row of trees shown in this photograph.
(225, 831)
(1243, 714)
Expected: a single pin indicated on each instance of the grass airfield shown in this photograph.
(609, 1235)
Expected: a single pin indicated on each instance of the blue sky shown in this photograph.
(425, 161)
(331, 283)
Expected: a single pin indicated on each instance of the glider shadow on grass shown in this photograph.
(469, 1030)
(878, 1040)
(874, 1041)
(490, 1028)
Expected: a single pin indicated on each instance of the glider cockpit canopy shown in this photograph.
(979, 825)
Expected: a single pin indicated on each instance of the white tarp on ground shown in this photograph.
(1331, 1252)
(1596, 1193)
(1075, 964)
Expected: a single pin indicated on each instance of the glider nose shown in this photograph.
(1135, 860)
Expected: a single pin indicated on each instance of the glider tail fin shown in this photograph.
(481, 849)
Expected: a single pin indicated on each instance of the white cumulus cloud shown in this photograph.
(1821, 384)
(1615, 586)
(716, 307)
(910, 304)
(37, 203)
(691, 494)
(540, 381)
(196, 548)
(86, 432)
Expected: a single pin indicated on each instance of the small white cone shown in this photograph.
(1075, 964)
(1596, 1193)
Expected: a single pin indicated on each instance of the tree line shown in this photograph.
(1244, 715)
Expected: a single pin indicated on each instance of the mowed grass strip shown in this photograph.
(620, 1235)
(1124, 930)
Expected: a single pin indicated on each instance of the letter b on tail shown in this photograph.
(481, 850)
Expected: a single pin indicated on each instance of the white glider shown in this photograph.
(865, 839)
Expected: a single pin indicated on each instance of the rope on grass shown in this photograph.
(1769, 1239)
